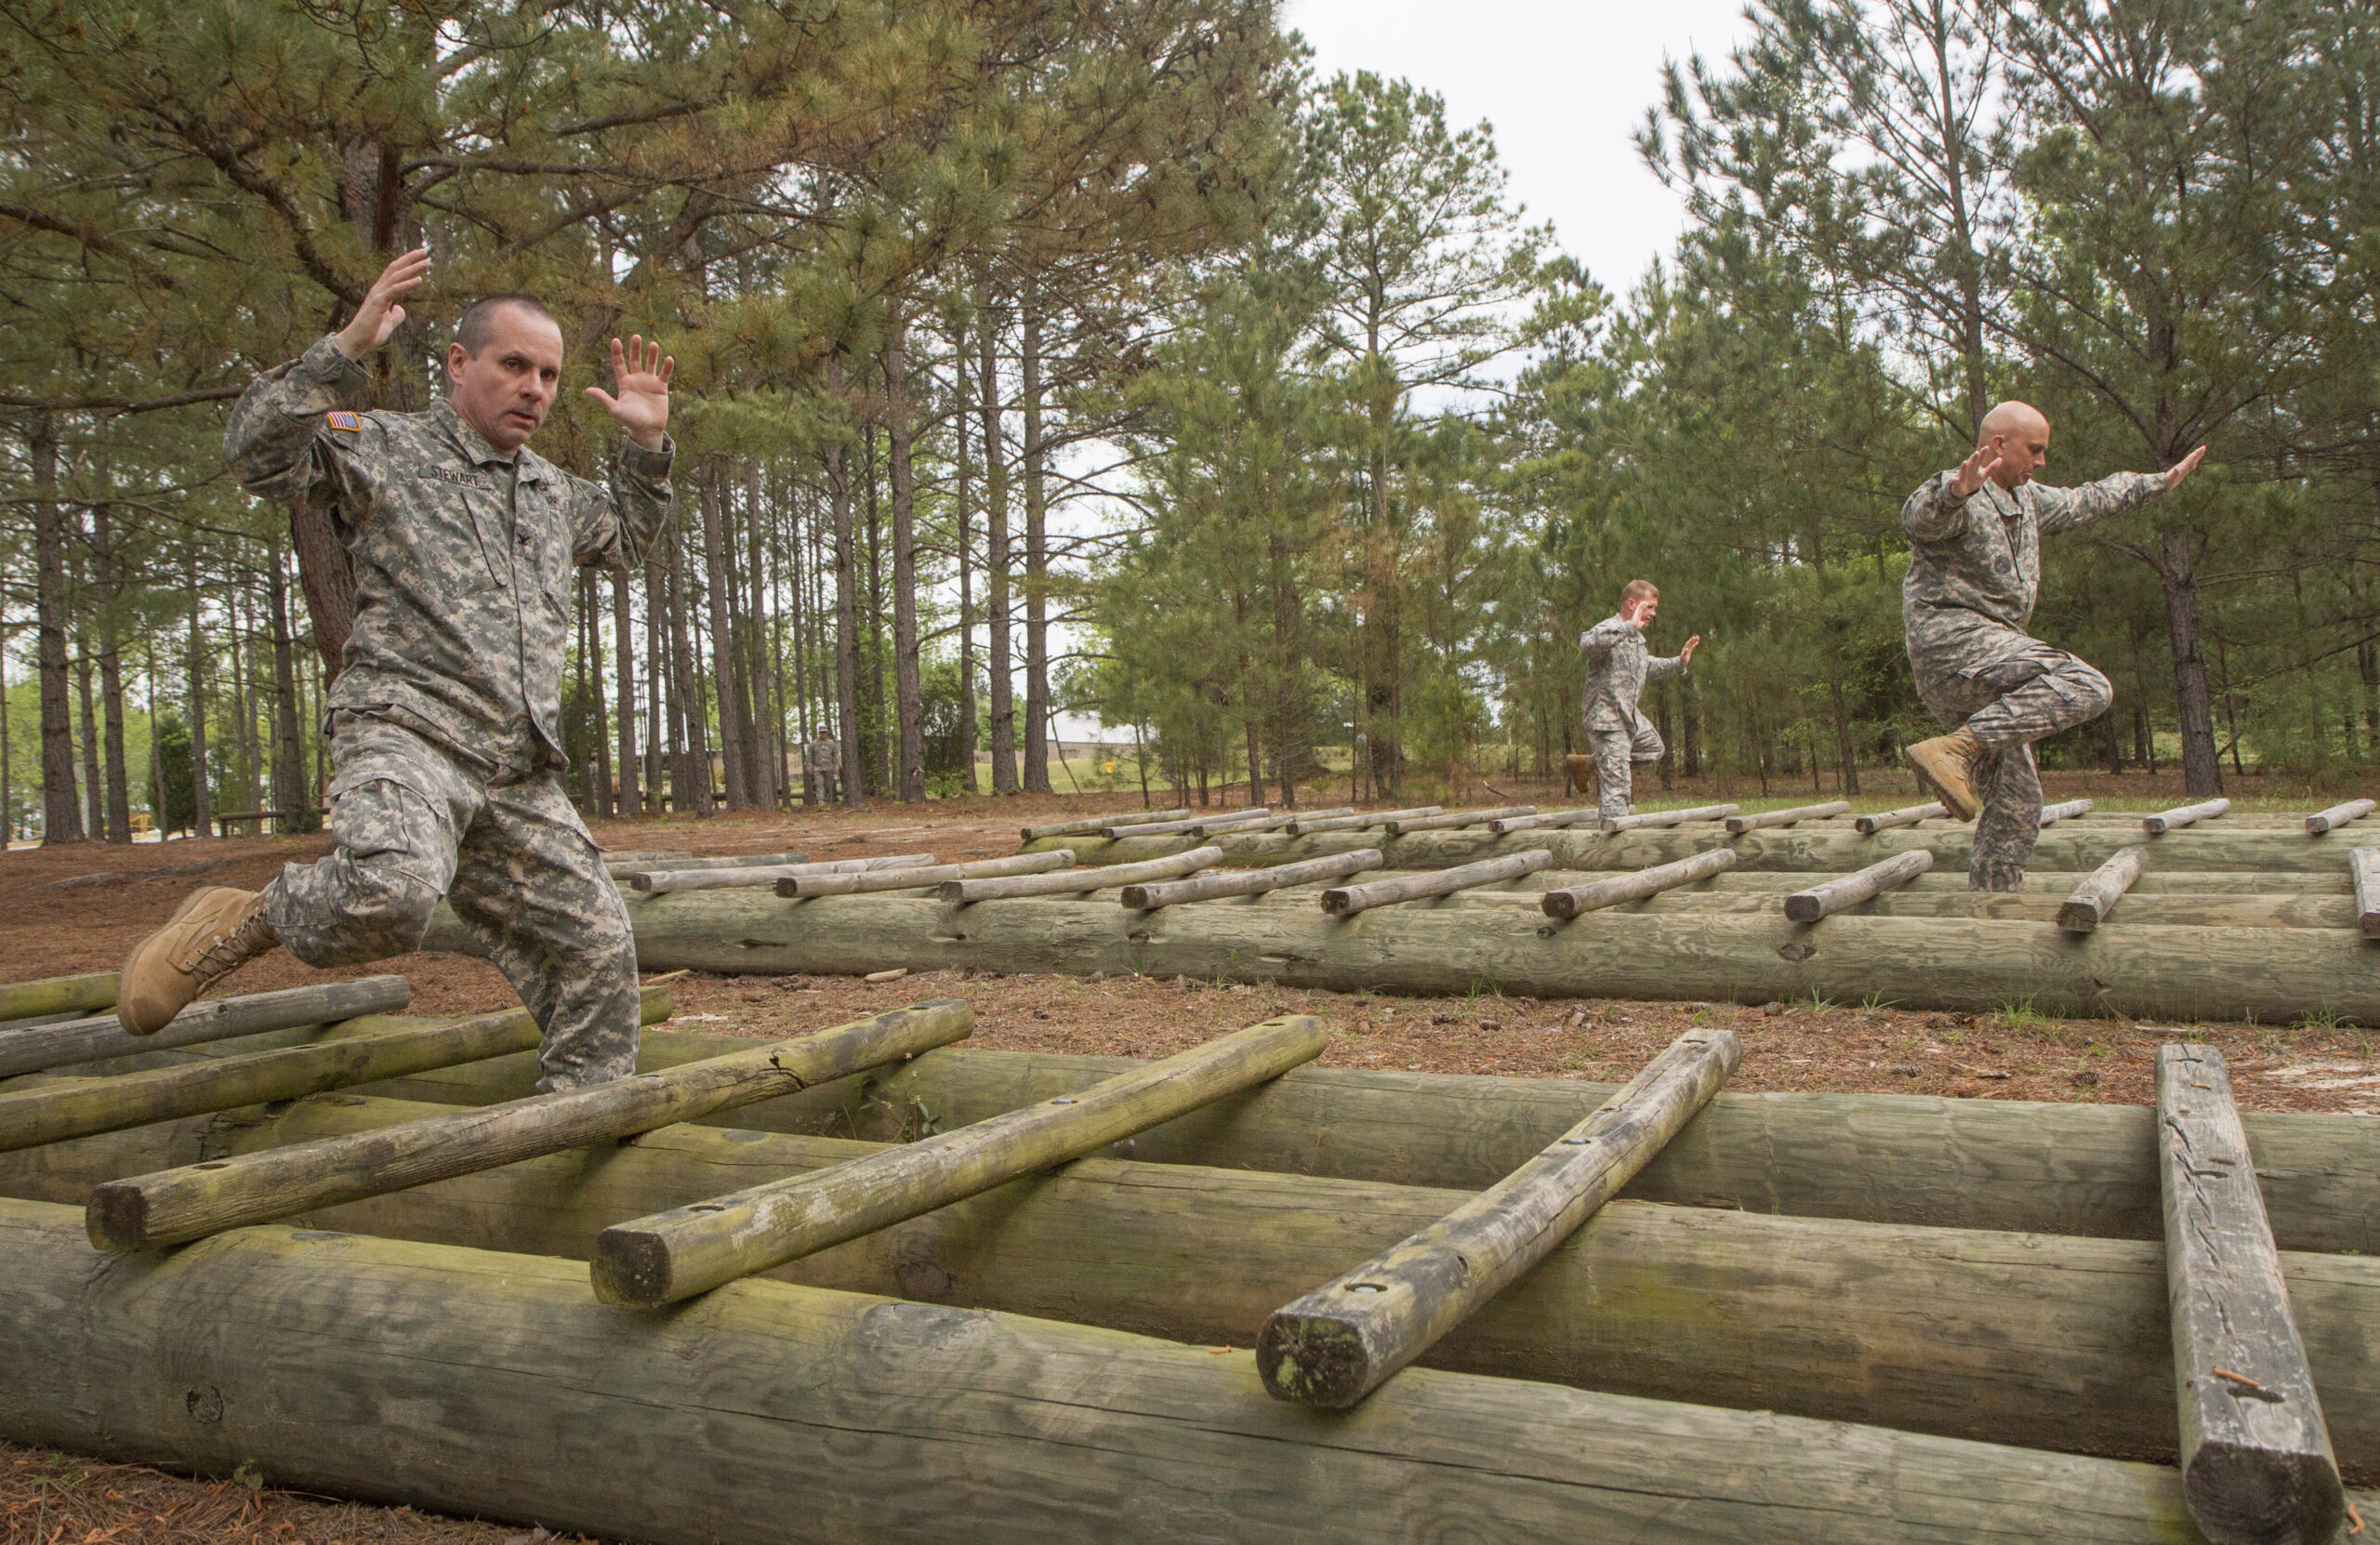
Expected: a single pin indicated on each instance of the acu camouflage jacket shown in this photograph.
(1618, 666)
(463, 557)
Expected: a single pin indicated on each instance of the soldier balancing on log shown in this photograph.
(1974, 574)
(443, 723)
(1617, 667)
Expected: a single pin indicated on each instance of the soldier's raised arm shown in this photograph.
(1596, 643)
(1660, 666)
(1939, 509)
(2065, 508)
(616, 526)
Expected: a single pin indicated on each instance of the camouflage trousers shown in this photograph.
(1616, 750)
(2018, 696)
(412, 823)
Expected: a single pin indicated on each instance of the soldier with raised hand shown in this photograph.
(1618, 666)
(1974, 574)
(445, 720)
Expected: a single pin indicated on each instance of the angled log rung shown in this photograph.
(1665, 818)
(2096, 896)
(1345, 901)
(1739, 824)
(1824, 901)
(2363, 872)
(1908, 815)
(2338, 815)
(1246, 882)
(103, 1035)
(2183, 816)
(1570, 901)
(2052, 814)
(1092, 824)
(1071, 880)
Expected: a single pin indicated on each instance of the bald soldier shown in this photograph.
(445, 720)
(1974, 574)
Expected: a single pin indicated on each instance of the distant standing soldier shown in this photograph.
(1974, 573)
(443, 723)
(1618, 666)
(822, 764)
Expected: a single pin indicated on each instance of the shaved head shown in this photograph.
(2017, 436)
(2012, 417)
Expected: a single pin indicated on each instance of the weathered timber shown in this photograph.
(79, 1107)
(1071, 881)
(1860, 885)
(2363, 870)
(2065, 1169)
(2255, 1457)
(1551, 820)
(2050, 815)
(2096, 897)
(1091, 825)
(1346, 901)
(687, 1250)
(1908, 815)
(2183, 816)
(1739, 824)
(426, 1374)
(1303, 824)
(1449, 819)
(1338, 1343)
(37, 1022)
(1570, 901)
(2338, 815)
(1115, 832)
(931, 875)
(2190, 910)
(2056, 883)
(85, 1040)
(58, 994)
(1246, 882)
(1960, 1333)
(193, 1201)
(743, 860)
(756, 877)
(1666, 818)
(644, 855)
(1279, 822)
(2272, 974)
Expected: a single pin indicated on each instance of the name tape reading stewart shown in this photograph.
(460, 479)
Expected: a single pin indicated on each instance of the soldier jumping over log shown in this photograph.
(1618, 666)
(1974, 574)
(444, 718)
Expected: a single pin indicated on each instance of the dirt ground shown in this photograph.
(80, 908)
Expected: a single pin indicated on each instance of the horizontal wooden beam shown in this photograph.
(2338, 815)
(58, 994)
(668, 865)
(2183, 816)
(219, 1019)
(1304, 825)
(757, 877)
(1908, 815)
(1090, 824)
(1072, 881)
(1278, 821)
(1450, 819)
(1653, 818)
(1572, 901)
(1214, 883)
(1861, 885)
(1348, 899)
(924, 876)
(1763, 820)
(2052, 814)
(1119, 830)
(1550, 820)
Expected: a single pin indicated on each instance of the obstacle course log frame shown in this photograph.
(2338, 815)
(1450, 820)
(2166, 909)
(1119, 831)
(1908, 815)
(1342, 1341)
(2096, 897)
(687, 1250)
(1550, 820)
(2183, 816)
(1073, 881)
(1763, 820)
(1091, 825)
(753, 877)
(1304, 825)
(1348, 899)
(58, 994)
(1861, 885)
(219, 1019)
(2255, 1457)
(1570, 901)
(1657, 818)
(1246, 882)
(81, 1107)
(193, 1201)
(801, 887)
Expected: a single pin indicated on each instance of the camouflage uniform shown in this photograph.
(821, 761)
(443, 721)
(1974, 574)
(1618, 666)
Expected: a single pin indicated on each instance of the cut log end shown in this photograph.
(2243, 1496)
(1802, 907)
(2077, 917)
(117, 1218)
(1312, 1359)
(629, 1268)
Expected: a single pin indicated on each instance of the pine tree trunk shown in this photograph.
(110, 589)
(995, 556)
(601, 751)
(761, 780)
(202, 797)
(839, 489)
(725, 674)
(962, 390)
(661, 732)
(880, 772)
(631, 804)
(288, 752)
(94, 785)
(689, 727)
(1037, 567)
(907, 693)
(2201, 767)
(61, 810)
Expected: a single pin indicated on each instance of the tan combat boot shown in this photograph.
(215, 930)
(1945, 765)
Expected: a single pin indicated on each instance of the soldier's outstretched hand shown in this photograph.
(1685, 656)
(641, 376)
(379, 315)
(1976, 468)
(2184, 468)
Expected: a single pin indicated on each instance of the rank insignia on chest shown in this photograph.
(460, 479)
(339, 419)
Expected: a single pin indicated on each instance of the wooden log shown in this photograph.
(1739, 824)
(1091, 825)
(1570, 901)
(1246, 882)
(643, 855)
(1655, 818)
(2255, 1456)
(1280, 822)
(2183, 816)
(923, 875)
(1988, 1334)
(191, 1202)
(1346, 901)
(2363, 873)
(85, 1040)
(1302, 826)
(1182, 828)
(2096, 897)
(1341, 1341)
(1551, 820)
(1073, 881)
(46, 1115)
(2052, 814)
(1908, 815)
(764, 876)
(2184, 909)
(427, 1374)
(746, 861)
(58, 994)
(676, 1254)
(1825, 901)
(2338, 815)
(1446, 820)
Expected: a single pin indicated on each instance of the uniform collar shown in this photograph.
(526, 464)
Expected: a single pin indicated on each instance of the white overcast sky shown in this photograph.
(1564, 85)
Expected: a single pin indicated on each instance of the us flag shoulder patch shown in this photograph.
(339, 419)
